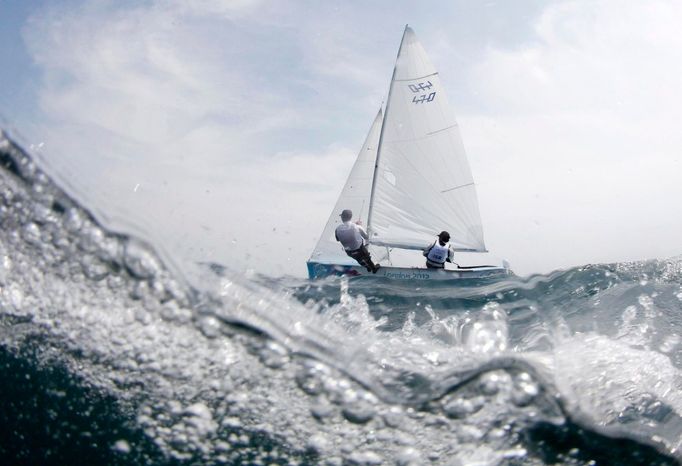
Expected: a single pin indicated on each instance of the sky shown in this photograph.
(224, 130)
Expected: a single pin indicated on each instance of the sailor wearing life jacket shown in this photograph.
(439, 252)
(352, 236)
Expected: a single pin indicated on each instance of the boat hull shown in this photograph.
(319, 270)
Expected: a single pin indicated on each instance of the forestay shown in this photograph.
(423, 183)
(355, 196)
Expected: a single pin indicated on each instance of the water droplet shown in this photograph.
(209, 326)
(140, 261)
(31, 234)
(73, 220)
(458, 408)
(492, 382)
(524, 389)
(358, 412)
(393, 417)
(273, 355)
(408, 456)
(366, 458)
(122, 446)
(310, 378)
(322, 410)
(358, 406)
(93, 268)
(489, 333)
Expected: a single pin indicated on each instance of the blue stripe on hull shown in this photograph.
(317, 270)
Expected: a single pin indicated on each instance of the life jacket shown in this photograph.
(349, 236)
(438, 254)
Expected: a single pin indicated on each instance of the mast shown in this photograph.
(381, 137)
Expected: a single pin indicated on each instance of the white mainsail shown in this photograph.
(355, 196)
(422, 181)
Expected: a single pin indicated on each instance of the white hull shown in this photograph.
(319, 270)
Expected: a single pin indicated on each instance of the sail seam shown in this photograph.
(442, 129)
(420, 138)
(419, 77)
(457, 187)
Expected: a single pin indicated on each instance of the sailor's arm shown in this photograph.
(451, 254)
(362, 231)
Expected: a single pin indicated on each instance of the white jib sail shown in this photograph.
(423, 183)
(355, 196)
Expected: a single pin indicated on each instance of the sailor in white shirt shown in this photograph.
(439, 252)
(352, 236)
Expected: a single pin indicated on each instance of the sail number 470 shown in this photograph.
(423, 98)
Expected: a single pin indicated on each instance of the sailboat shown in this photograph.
(410, 181)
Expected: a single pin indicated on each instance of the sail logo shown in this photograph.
(419, 88)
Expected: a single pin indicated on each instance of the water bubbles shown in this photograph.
(670, 342)
(209, 326)
(629, 314)
(310, 378)
(91, 238)
(514, 453)
(524, 389)
(5, 268)
(43, 214)
(73, 220)
(93, 268)
(322, 409)
(432, 357)
(122, 446)
(409, 326)
(199, 417)
(393, 417)
(489, 333)
(139, 261)
(491, 383)
(172, 312)
(360, 409)
(457, 407)
(318, 444)
(409, 456)
(31, 234)
(647, 304)
(365, 458)
(142, 316)
(273, 355)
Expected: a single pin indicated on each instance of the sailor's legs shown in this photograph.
(364, 258)
(430, 265)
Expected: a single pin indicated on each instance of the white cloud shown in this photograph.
(583, 145)
(137, 100)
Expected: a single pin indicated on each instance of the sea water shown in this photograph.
(109, 356)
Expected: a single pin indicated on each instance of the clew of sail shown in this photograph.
(422, 181)
(355, 196)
